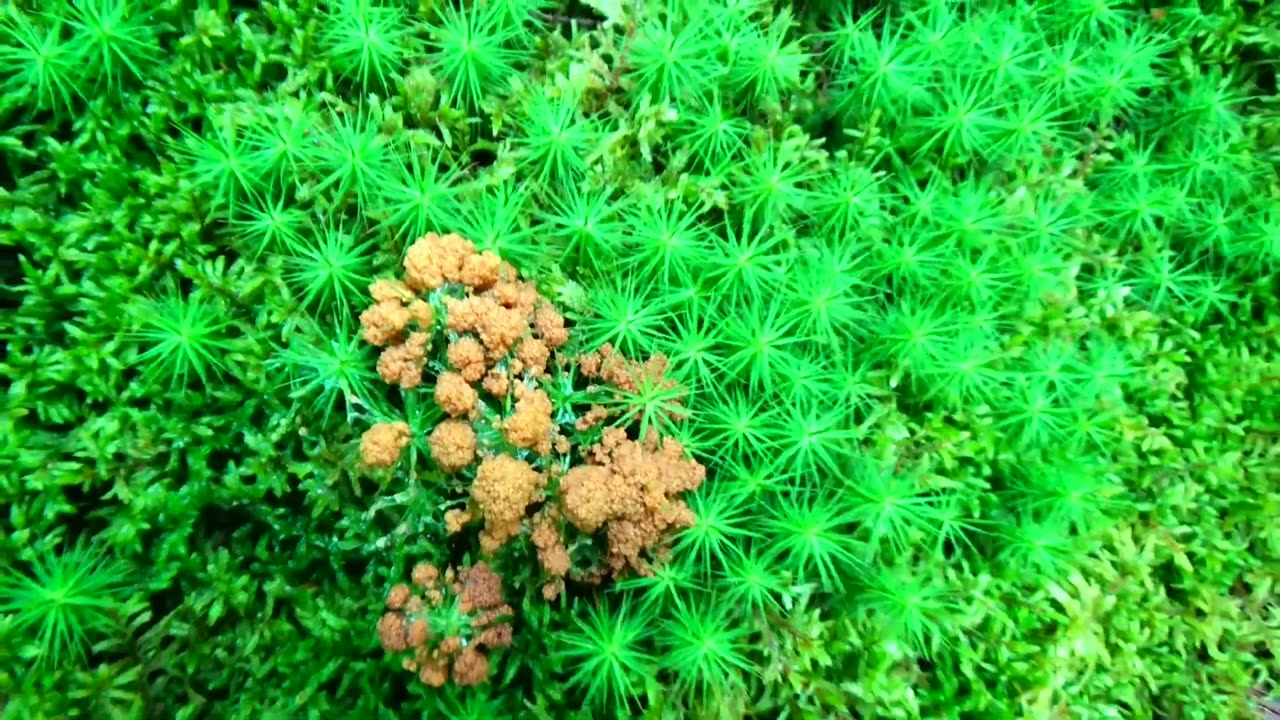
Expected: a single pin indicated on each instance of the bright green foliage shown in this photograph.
(494, 218)
(281, 143)
(555, 140)
(759, 344)
(891, 509)
(474, 51)
(582, 228)
(812, 532)
(970, 309)
(57, 59)
(365, 41)
(714, 135)
(326, 367)
(751, 581)
(119, 39)
(909, 605)
(351, 157)
(671, 55)
(626, 314)
(418, 195)
(263, 224)
(219, 163)
(39, 63)
(328, 266)
(702, 651)
(605, 655)
(64, 600)
(181, 339)
(720, 527)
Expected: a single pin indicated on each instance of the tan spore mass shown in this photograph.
(499, 328)
(388, 290)
(550, 325)
(384, 322)
(394, 308)
(502, 491)
(553, 555)
(403, 364)
(433, 260)
(632, 489)
(534, 355)
(382, 443)
(500, 345)
(470, 668)
(475, 592)
(590, 499)
(480, 271)
(530, 426)
(466, 355)
(453, 445)
(455, 395)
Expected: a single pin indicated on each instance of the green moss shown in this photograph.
(974, 306)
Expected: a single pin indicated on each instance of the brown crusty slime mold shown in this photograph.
(553, 469)
(445, 624)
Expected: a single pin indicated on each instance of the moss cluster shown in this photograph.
(742, 359)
